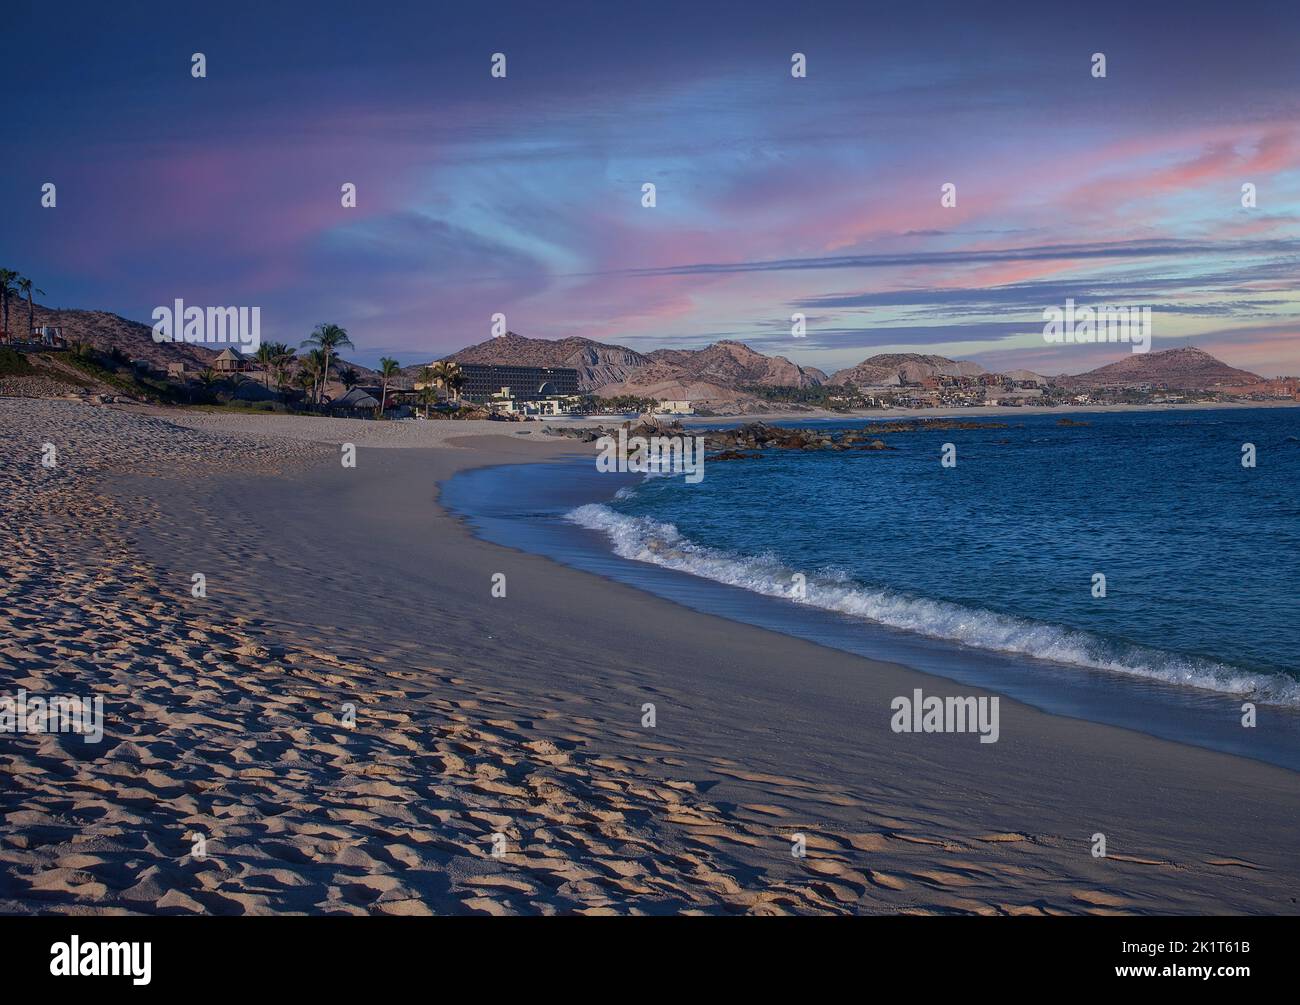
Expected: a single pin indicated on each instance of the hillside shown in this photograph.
(597, 363)
(893, 368)
(1176, 369)
(712, 376)
(107, 331)
(733, 364)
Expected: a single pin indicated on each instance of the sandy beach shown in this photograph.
(355, 724)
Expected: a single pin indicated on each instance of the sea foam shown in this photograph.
(644, 539)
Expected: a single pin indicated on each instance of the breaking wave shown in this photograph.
(643, 539)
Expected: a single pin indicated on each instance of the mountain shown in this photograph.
(597, 364)
(734, 364)
(896, 367)
(713, 376)
(1176, 369)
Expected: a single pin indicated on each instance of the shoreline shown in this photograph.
(523, 714)
(652, 647)
(1180, 714)
(976, 412)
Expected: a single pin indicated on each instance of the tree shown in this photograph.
(308, 374)
(7, 290)
(281, 365)
(429, 390)
(349, 378)
(447, 375)
(25, 285)
(266, 353)
(455, 380)
(275, 358)
(387, 370)
(328, 339)
(208, 379)
(320, 366)
(283, 382)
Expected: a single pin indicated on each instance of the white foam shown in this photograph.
(642, 539)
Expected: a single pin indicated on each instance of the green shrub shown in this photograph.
(13, 364)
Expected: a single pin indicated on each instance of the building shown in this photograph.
(526, 383)
(504, 403)
(674, 408)
(354, 400)
(230, 361)
(51, 336)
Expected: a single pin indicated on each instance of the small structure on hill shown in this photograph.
(230, 361)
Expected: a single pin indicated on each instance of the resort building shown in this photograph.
(505, 403)
(526, 383)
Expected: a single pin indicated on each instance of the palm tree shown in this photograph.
(308, 374)
(387, 370)
(328, 339)
(429, 392)
(448, 375)
(349, 378)
(320, 366)
(455, 381)
(25, 285)
(266, 353)
(280, 365)
(269, 355)
(7, 290)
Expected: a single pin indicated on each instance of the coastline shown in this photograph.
(526, 507)
(974, 412)
(477, 697)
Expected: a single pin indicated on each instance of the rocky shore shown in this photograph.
(748, 441)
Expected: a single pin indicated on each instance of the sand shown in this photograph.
(511, 723)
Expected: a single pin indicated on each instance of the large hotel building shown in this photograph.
(526, 383)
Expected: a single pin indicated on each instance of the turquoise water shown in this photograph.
(1201, 556)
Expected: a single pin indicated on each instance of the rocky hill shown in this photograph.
(903, 367)
(597, 364)
(1176, 369)
(107, 331)
(713, 376)
(734, 364)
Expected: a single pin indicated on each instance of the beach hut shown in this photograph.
(355, 400)
(229, 361)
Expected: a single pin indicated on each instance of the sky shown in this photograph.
(775, 195)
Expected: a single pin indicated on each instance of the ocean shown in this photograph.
(986, 571)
